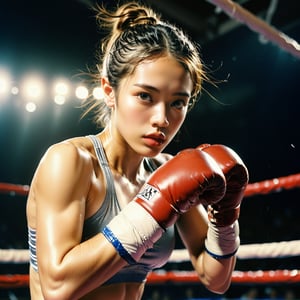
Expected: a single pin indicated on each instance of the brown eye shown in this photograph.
(145, 96)
(179, 104)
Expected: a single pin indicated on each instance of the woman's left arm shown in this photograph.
(212, 245)
(214, 273)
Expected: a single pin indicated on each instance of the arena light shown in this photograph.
(81, 92)
(61, 90)
(15, 90)
(5, 83)
(98, 93)
(33, 88)
(30, 107)
(59, 99)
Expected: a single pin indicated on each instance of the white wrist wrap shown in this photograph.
(132, 232)
(222, 242)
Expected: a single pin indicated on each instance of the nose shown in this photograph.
(159, 117)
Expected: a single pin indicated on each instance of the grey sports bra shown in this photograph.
(152, 259)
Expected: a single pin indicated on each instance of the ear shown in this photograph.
(109, 95)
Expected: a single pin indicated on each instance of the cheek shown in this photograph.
(130, 113)
(177, 119)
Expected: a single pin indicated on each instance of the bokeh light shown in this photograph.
(33, 88)
(81, 92)
(30, 107)
(98, 93)
(5, 83)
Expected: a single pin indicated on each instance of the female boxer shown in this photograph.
(102, 208)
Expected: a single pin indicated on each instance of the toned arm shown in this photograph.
(67, 268)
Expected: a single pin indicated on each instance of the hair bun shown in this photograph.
(131, 14)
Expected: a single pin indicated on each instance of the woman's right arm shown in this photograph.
(60, 187)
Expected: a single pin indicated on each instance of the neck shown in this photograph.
(122, 160)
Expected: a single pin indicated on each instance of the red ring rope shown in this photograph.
(15, 189)
(273, 185)
(263, 187)
(287, 276)
(159, 277)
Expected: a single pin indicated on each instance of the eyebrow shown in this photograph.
(152, 88)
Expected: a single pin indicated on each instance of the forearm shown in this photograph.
(222, 240)
(78, 273)
(215, 274)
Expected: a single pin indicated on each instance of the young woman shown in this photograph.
(102, 209)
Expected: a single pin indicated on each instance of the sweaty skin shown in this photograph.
(69, 187)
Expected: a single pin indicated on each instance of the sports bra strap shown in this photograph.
(104, 163)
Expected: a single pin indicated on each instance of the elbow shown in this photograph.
(54, 293)
(217, 287)
(49, 294)
(215, 275)
(216, 284)
(54, 287)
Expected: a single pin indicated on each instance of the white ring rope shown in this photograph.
(14, 256)
(269, 250)
(237, 12)
(249, 251)
(253, 251)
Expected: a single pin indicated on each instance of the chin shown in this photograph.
(150, 151)
(155, 152)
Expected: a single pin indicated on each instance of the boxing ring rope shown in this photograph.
(162, 277)
(14, 189)
(258, 188)
(259, 251)
(248, 251)
(282, 276)
(237, 12)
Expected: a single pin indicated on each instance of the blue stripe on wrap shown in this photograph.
(216, 256)
(117, 244)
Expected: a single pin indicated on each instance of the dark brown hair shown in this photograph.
(136, 33)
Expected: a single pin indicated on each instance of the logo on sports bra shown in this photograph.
(148, 192)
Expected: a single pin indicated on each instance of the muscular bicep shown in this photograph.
(60, 190)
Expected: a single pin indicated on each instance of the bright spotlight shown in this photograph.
(61, 90)
(81, 92)
(15, 90)
(30, 107)
(59, 99)
(5, 83)
(61, 87)
(33, 88)
(98, 93)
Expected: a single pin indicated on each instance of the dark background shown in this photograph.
(255, 110)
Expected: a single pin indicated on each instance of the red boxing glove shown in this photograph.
(190, 178)
(226, 211)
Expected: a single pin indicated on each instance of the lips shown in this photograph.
(158, 138)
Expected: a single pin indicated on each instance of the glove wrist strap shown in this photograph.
(222, 242)
(132, 232)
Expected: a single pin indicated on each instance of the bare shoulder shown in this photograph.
(68, 160)
(72, 151)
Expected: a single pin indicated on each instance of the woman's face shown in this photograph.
(151, 105)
